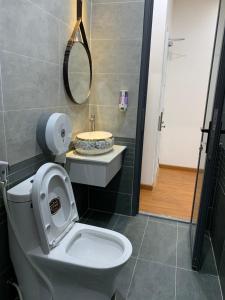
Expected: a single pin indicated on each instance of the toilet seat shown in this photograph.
(63, 241)
(54, 205)
(90, 247)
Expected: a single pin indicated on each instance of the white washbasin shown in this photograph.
(94, 142)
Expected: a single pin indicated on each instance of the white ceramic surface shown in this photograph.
(83, 264)
(54, 205)
(94, 135)
(94, 142)
(83, 168)
(105, 158)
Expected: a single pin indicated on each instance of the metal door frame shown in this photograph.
(211, 163)
(142, 100)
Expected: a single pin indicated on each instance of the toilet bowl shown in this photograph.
(80, 261)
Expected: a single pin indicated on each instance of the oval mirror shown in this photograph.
(78, 72)
(77, 67)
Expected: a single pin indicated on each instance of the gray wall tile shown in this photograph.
(129, 155)
(79, 117)
(110, 201)
(33, 39)
(64, 99)
(25, 173)
(117, 196)
(81, 196)
(115, 69)
(65, 32)
(65, 11)
(108, 1)
(29, 83)
(116, 40)
(20, 128)
(110, 118)
(106, 87)
(117, 21)
(87, 15)
(121, 56)
(123, 181)
(1, 106)
(2, 139)
(22, 170)
(28, 30)
(99, 219)
(21, 134)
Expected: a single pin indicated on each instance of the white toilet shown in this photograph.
(80, 261)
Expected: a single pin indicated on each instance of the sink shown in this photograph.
(94, 142)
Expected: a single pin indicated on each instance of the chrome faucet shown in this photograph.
(92, 121)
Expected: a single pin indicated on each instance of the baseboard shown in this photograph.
(162, 166)
(146, 187)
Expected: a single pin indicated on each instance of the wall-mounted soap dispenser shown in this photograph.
(123, 100)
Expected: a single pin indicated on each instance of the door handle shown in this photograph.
(222, 131)
(204, 130)
(161, 123)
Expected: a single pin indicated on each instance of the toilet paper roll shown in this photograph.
(58, 133)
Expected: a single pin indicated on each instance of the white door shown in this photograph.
(161, 124)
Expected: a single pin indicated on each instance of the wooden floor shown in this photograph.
(172, 196)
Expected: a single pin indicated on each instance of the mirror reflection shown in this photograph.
(79, 73)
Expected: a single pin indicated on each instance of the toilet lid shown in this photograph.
(54, 205)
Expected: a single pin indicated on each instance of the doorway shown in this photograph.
(180, 75)
(165, 198)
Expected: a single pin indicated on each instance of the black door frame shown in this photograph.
(211, 163)
(209, 181)
(142, 100)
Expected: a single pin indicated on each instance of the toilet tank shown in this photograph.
(20, 206)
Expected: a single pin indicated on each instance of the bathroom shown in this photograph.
(34, 37)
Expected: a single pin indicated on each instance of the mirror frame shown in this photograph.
(72, 41)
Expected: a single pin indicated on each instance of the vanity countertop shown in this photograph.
(105, 158)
